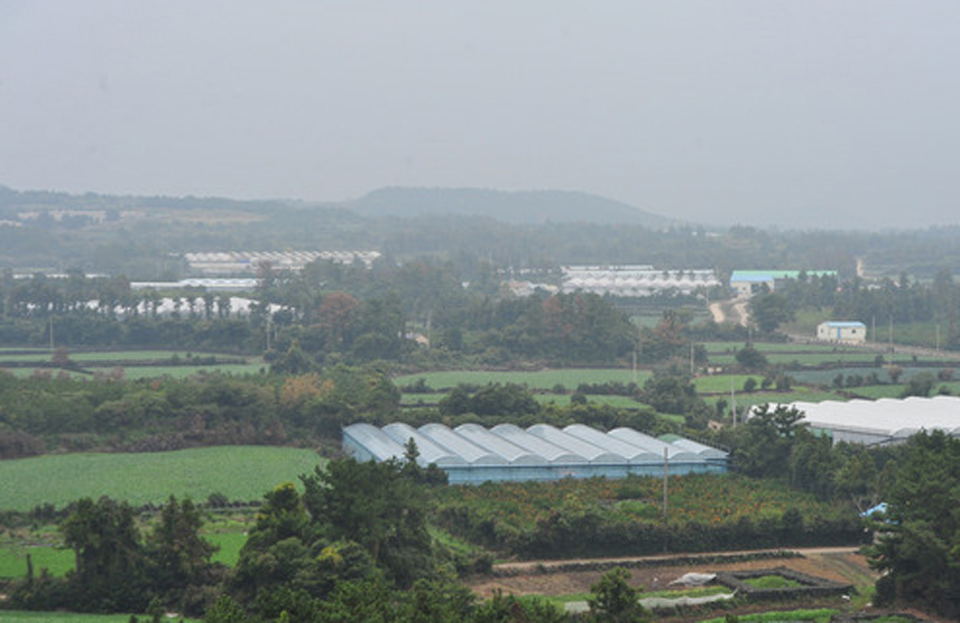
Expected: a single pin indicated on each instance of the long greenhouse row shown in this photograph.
(471, 453)
(883, 421)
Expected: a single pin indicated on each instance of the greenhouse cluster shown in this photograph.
(472, 454)
(635, 280)
(884, 421)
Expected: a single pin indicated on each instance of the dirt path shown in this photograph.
(732, 311)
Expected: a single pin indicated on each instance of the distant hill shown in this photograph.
(530, 206)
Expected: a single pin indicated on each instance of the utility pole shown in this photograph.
(268, 328)
(666, 477)
(733, 404)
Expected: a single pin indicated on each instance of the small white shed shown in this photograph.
(845, 331)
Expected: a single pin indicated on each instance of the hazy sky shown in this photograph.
(803, 114)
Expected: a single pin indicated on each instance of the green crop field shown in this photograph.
(45, 546)
(771, 347)
(239, 472)
(13, 559)
(722, 383)
(109, 355)
(797, 394)
(178, 372)
(570, 378)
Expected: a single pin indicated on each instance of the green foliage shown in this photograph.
(920, 385)
(613, 599)
(769, 310)
(764, 443)
(598, 517)
(673, 393)
(379, 507)
(494, 399)
(918, 549)
(109, 556)
(177, 557)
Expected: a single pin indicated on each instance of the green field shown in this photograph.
(109, 355)
(798, 394)
(239, 472)
(722, 383)
(13, 559)
(179, 372)
(146, 372)
(45, 547)
(19, 616)
(570, 378)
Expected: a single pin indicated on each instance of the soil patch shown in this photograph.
(844, 566)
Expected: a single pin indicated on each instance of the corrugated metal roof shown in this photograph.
(469, 452)
(512, 453)
(378, 443)
(888, 417)
(701, 450)
(551, 452)
(429, 450)
(632, 453)
(542, 445)
(653, 444)
(592, 453)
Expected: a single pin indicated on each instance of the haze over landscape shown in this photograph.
(795, 115)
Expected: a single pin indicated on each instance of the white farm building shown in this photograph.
(472, 454)
(884, 421)
(842, 332)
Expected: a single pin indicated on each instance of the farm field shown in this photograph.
(797, 394)
(146, 372)
(136, 364)
(569, 378)
(177, 372)
(708, 500)
(19, 616)
(108, 355)
(240, 473)
(45, 547)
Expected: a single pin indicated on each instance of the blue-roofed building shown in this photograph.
(472, 454)
(844, 332)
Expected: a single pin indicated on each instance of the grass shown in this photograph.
(772, 581)
(797, 394)
(178, 372)
(821, 615)
(120, 355)
(19, 616)
(666, 594)
(722, 383)
(13, 559)
(239, 472)
(46, 549)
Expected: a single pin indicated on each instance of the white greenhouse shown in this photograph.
(472, 454)
(884, 421)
